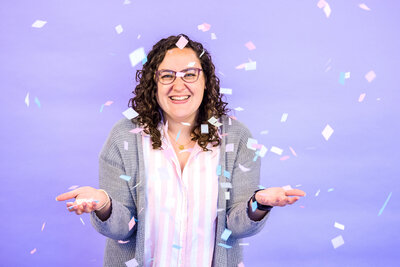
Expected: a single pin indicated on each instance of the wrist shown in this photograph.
(106, 202)
(260, 206)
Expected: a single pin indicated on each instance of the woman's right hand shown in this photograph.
(87, 199)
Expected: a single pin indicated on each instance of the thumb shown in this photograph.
(69, 195)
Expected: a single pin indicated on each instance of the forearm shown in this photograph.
(105, 212)
(256, 215)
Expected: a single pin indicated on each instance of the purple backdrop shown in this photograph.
(77, 62)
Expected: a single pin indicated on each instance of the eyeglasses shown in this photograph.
(189, 75)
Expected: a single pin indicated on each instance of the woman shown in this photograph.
(172, 194)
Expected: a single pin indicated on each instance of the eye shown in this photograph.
(167, 76)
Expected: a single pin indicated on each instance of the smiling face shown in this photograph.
(180, 100)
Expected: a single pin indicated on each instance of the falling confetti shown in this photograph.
(225, 91)
(39, 23)
(204, 27)
(37, 102)
(250, 66)
(82, 220)
(361, 98)
(130, 113)
(182, 42)
(285, 157)
(327, 132)
(213, 36)
(284, 117)
(293, 152)
(370, 76)
(337, 241)
(33, 250)
(27, 99)
(239, 109)
(43, 226)
(325, 6)
(276, 150)
(137, 56)
(339, 226)
(250, 45)
(364, 6)
(384, 205)
(119, 29)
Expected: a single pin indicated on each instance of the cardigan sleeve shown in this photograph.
(244, 183)
(123, 208)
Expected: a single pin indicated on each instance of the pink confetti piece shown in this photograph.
(257, 146)
(136, 130)
(250, 45)
(33, 250)
(43, 226)
(241, 66)
(243, 168)
(285, 157)
(325, 6)
(131, 223)
(364, 6)
(370, 76)
(233, 117)
(302, 207)
(204, 27)
(108, 103)
(182, 42)
(229, 148)
(361, 98)
(123, 242)
(225, 134)
(293, 152)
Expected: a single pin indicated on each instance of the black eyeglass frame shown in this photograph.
(175, 72)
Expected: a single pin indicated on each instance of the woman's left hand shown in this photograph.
(277, 196)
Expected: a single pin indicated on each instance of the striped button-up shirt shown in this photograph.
(181, 205)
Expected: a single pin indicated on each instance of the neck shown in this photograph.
(176, 126)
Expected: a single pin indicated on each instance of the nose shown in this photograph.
(179, 84)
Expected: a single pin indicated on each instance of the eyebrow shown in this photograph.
(175, 70)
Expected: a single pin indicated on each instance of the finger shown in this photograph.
(68, 195)
(70, 206)
(87, 207)
(292, 200)
(79, 212)
(295, 192)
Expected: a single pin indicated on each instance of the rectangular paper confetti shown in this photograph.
(27, 99)
(276, 150)
(176, 246)
(130, 113)
(132, 263)
(191, 64)
(250, 45)
(227, 195)
(219, 170)
(370, 76)
(182, 42)
(250, 66)
(213, 36)
(384, 205)
(337, 241)
(126, 145)
(250, 143)
(225, 91)
(204, 128)
(226, 185)
(136, 130)
(229, 147)
(364, 6)
(284, 117)
(327, 132)
(263, 151)
(119, 29)
(361, 98)
(224, 245)
(227, 174)
(225, 235)
(131, 223)
(214, 122)
(39, 23)
(137, 56)
(37, 102)
(125, 177)
(339, 226)
(239, 109)
(82, 220)
(254, 206)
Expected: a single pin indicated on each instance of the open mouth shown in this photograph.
(179, 98)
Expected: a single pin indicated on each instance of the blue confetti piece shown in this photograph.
(254, 206)
(125, 177)
(37, 101)
(176, 246)
(219, 170)
(144, 60)
(177, 136)
(256, 156)
(101, 109)
(224, 245)
(261, 187)
(225, 235)
(341, 78)
(384, 205)
(331, 189)
(227, 174)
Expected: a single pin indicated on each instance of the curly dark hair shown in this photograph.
(145, 103)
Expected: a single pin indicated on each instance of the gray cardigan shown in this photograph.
(128, 198)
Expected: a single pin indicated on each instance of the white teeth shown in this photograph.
(179, 97)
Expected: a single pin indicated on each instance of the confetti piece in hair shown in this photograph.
(27, 99)
(43, 226)
(229, 147)
(119, 29)
(293, 152)
(33, 250)
(125, 177)
(225, 235)
(284, 117)
(132, 263)
(130, 113)
(239, 109)
(131, 223)
(250, 45)
(384, 205)
(214, 122)
(213, 36)
(39, 23)
(202, 53)
(224, 245)
(225, 91)
(126, 145)
(251, 66)
(182, 42)
(191, 64)
(82, 220)
(276, 150)
(123, 242)
(361, 98)
(337, 241)
(370, 76)
(284, 158)
(243, 168)
(204, 27)
(204, 129)
(364, 6)
(327, 132)
(136, 130)
(339, 226)
(37, 102)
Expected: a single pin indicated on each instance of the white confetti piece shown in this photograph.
(264, 132)
(27, 99)
(123, 242)
(43, 226)
(251, 66)
(243, 169)
(327, 132)
(186, 123)
(239, 109)
(263, 151)
(241, 264)
(250, 143)
(226, 185)
(39, 23)
(276, 150)
(119, 29)
(73, 187)
(204, 27)
(227, 195)
(130, 113)
(361, 98)
(214, 122)
(33, 250)
(226, 91)
(191, 64)
(364, 6)
(127, 2)
(229, 147)
(325, 6)
(82, 220)
(347, 75)
(137, 56)
(126, 145)
(250, 45)
(370, 76)
(213, 36)
(132, 263)
(287, 187)
(284, 117)
(339, 226)
(337, 241)
(244, 244)
(204, 128)
(316, 194)
(182, 42)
